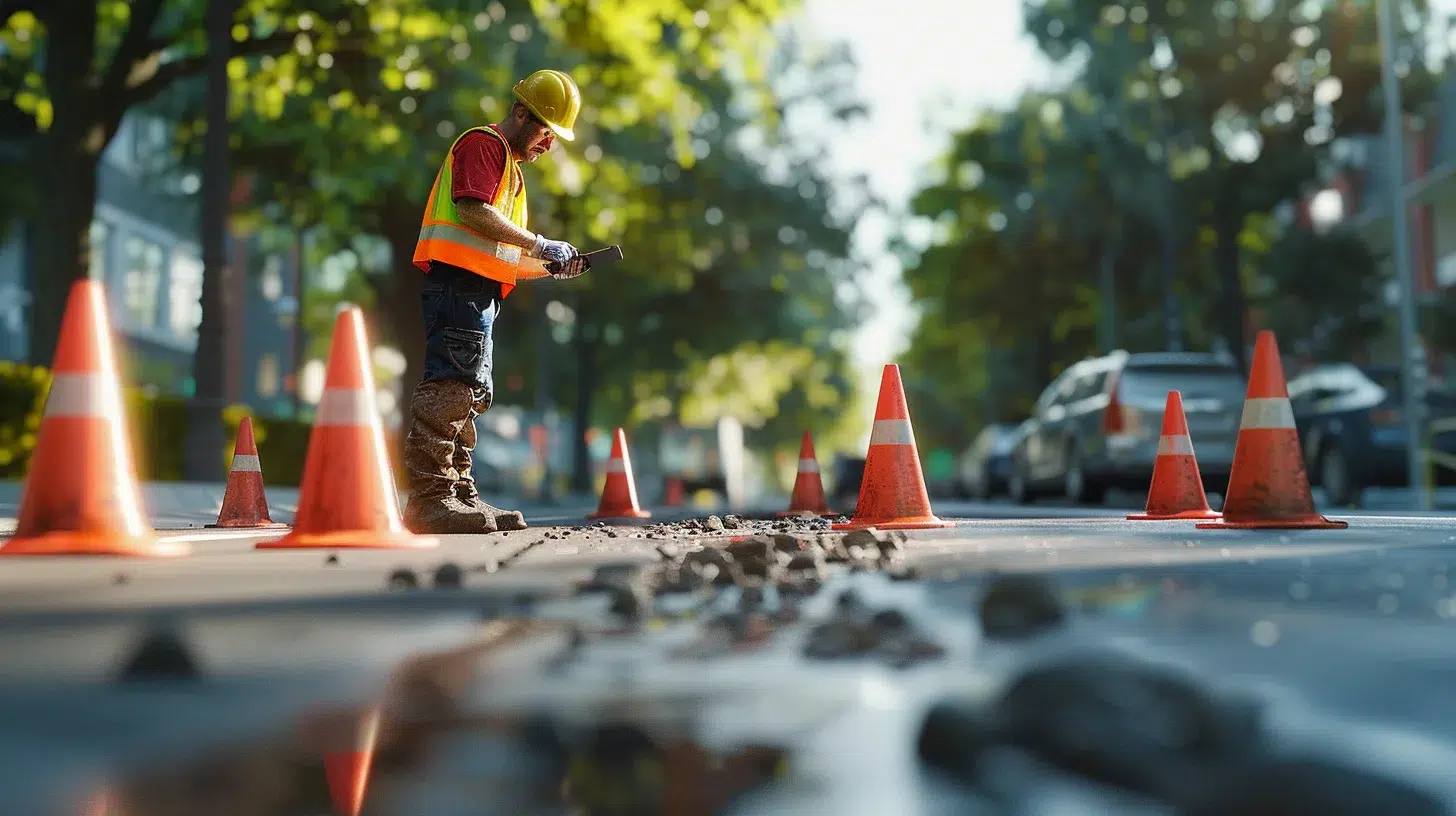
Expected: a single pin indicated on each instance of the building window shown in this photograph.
(184, 304)
(268, 376)
(100, 231)
(142, 281)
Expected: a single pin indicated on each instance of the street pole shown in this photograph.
(1404, 271)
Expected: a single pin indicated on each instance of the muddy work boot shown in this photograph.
(465, 489)
(439, 410)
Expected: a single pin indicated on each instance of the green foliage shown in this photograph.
(1186, 119)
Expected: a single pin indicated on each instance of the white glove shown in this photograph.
(552, 251)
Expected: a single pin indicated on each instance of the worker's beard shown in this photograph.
(520, 147)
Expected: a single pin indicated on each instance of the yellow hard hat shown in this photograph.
(554, 98)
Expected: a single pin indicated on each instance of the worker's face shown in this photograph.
(532, 137)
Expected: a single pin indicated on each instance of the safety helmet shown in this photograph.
(554, 98)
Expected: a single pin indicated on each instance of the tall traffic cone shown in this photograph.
(892, 495)
(81, 494)
(1268, 486)
(347, 498)
(243, 502)
(808, 494)
(1177, 488)
(619, 494)
(347, 768)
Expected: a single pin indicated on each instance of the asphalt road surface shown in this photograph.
(1345, 637)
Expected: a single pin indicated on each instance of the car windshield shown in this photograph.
(1151, 383)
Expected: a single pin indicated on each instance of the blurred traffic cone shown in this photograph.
(619, 494)
(346, 737)
(1177, 488)
(243, 502)
(347, 498)
(808, 494)
(892, 495)
(673, 495)
(1268, 486)
(81, 493)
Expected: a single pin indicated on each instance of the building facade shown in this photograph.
(145, 250)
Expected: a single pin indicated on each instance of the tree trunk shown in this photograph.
(1228, 223)
(586, 354)
(399, 311)
(205, 437)
(65, 164)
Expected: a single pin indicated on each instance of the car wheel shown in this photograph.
(1076, 485)
(1335, 478)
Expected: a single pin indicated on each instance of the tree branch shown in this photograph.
(150, 76)
(136, 44)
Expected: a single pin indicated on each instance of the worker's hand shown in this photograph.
(553, 251)
(571, 269)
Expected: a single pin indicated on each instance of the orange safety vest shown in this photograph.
(444, 238)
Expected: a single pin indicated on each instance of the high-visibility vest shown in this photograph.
(444, 238)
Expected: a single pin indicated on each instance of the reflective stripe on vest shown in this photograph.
(444, 238)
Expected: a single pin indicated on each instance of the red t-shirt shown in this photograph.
(479, 161)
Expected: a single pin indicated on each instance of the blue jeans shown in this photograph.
(460, 309)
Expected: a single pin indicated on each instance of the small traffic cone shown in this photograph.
(808, 494)
(892, 495)
(346, 738)
(1177, 488)
(243, 502)
(619, 494)
(1268, 486)
(81, 494)
(347, 498)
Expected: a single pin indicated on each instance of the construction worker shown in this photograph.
(474, 247)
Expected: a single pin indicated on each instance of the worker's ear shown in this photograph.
(520, 113)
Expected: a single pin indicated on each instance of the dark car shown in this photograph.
(848, 473)
(985, 466)
(1352, 428)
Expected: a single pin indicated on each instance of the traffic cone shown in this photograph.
(347, 498)
(81, 495)
(619, 494)
(808, 494)
(348, 767)
(892, 495)
(1177, 488)
(243, 502)
(1268, 486)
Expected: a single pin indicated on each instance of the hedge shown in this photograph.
(157, 423)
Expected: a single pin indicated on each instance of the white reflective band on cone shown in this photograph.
(808, 466)
(81, 396)
(1269, 413)
(892, 432)
(344, 407)
(1175, 445)
(616, 466)
(246, 463)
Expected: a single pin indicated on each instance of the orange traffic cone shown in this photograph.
(892, 495)
(347, 497)
(81, 494)
(808, 494)
(348, 767)
(619, 494)
(243, 502)
(1177, 488)
(1268, 486)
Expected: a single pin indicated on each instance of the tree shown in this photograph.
(1243, 98)
(1326, 301)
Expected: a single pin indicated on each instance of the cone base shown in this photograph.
(1315, 522)
(913, 523)
(81, 543)
(623, 514)
(350, 540)
(248, 525)
(1181, 514)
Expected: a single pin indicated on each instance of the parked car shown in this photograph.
(985, 466)
(1352, 428)
(848, 473)
(1097, 425)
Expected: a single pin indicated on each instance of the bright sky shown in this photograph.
(925, 67)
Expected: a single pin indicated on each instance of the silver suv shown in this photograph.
(1097, 425)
